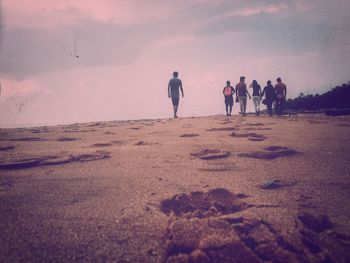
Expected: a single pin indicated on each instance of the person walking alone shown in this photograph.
(228, 92)
(173, 91)
(269, 92)
(241, 93)
(256, 96)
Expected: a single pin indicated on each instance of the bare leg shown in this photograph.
(175, 111)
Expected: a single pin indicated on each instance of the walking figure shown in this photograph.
(173, 91)
(241, 94)
(228, 92)
(281, 93)
(269, 92)
(256, 96)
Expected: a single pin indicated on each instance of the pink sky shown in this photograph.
(128, 50)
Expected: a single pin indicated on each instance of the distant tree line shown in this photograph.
(337, 98)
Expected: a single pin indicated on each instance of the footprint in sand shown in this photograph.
(109, 133)
(207, 154)
(24, 139)
(7, 148)
(223, 168)
(66, 139)
(255, 124)
(36, 131)
(272, 152)
(101, 145)
(189, 135)
(251, 136)
(117, 142)
(275, 184)
(257, 139)
(202, 205)
(205, 227)
(218, 166)
(257, 129)
(52, 160)
(96, 124)
(40, 131)
(222, 129)
(77, 130)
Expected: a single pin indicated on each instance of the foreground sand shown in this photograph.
(208, 189)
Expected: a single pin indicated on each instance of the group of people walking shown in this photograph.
(273, 94)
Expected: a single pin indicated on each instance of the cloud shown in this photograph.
(47, 13)
(251, 11)
(10, 87)
(30, 51)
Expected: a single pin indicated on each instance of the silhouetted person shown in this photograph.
(173, 91)
(256, 96)
(281, 93)
(269, 92)
(241, 93)
(228, 91)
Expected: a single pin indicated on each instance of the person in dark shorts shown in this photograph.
(281, 93)
(269, 92)
(256, 96)
(241, 93)
(228, 91)
(173, 91)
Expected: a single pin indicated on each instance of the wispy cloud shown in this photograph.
(252, 11)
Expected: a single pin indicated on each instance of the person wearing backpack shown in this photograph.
(173, 91)
(241, 94)
(228, 92)
(256, 96)
(269, 92)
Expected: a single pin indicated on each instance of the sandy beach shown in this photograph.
(204, 189)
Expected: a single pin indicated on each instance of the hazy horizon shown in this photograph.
(82, 61)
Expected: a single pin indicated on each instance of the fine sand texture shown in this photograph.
(204, 189)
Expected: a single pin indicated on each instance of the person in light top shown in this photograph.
(241, 93)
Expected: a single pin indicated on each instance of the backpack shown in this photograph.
(228, 91)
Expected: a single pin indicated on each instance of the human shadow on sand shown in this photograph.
(212, 227)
